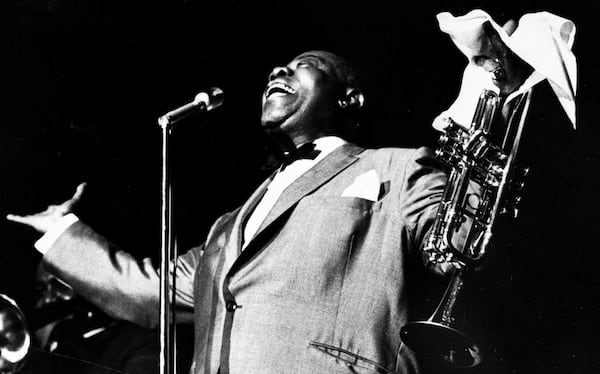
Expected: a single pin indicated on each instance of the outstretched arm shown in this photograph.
(112, 279)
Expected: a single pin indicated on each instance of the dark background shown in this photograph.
(83, 82)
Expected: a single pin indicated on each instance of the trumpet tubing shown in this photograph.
(15, 340)
(483, 183)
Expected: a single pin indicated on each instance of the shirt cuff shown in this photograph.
(56, 230)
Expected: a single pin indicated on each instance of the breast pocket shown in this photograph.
(313, 246)
(327, 225)
(344, 214)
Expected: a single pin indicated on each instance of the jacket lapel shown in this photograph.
(234, 246)
(329, 167)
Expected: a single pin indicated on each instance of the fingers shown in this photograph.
(40, 222)
(68, 205)
(510, 26)
(79, 191)
(447, 268)
(26, 220)
(52, 213)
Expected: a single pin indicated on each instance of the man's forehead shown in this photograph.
(331, 60)
(324, 56)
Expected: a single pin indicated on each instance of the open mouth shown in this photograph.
(278, 88)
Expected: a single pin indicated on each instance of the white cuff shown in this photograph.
(47, 240)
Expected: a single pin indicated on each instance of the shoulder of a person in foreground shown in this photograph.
(403, 155)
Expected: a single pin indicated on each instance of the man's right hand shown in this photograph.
(42, 221)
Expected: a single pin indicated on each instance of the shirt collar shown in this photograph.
(328, 144)
(325, 145)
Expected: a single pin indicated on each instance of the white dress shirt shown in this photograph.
(283, 179)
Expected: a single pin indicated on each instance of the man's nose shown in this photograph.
(490, 64)
(280, 71)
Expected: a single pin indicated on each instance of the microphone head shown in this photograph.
(216, 98)
(202, 98)
(211, 99)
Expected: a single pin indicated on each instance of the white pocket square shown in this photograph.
(365, 186)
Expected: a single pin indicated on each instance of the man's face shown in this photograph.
(300, 99)
(508, 71)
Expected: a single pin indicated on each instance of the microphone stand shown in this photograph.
(167, 315)
(203, 102)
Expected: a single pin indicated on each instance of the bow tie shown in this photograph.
(306, 151)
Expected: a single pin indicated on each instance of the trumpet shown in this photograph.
(15, 340)
(484, 183)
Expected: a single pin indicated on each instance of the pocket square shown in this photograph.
(365, 186)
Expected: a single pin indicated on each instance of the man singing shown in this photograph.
(309, 275)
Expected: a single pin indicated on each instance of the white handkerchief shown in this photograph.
(542, 39)
(365, 186)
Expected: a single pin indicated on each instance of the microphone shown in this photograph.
(203, 102)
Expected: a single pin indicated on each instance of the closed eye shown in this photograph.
(479, 60)
(307, 63)
(310, 61)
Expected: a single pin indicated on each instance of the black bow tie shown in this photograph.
(306, 151)
(282, 160)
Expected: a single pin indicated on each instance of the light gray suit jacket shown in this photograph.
(321, 288)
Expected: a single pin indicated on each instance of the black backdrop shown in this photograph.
(82, 83)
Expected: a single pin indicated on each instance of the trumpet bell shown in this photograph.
(15, 340)
(438, 343)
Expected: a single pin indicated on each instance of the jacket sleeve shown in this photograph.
(115, 281)
(423, 187)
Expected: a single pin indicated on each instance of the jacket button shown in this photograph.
(231, 306)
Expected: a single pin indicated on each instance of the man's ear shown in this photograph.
(353, 99)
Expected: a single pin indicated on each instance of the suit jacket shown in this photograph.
(321, 288)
